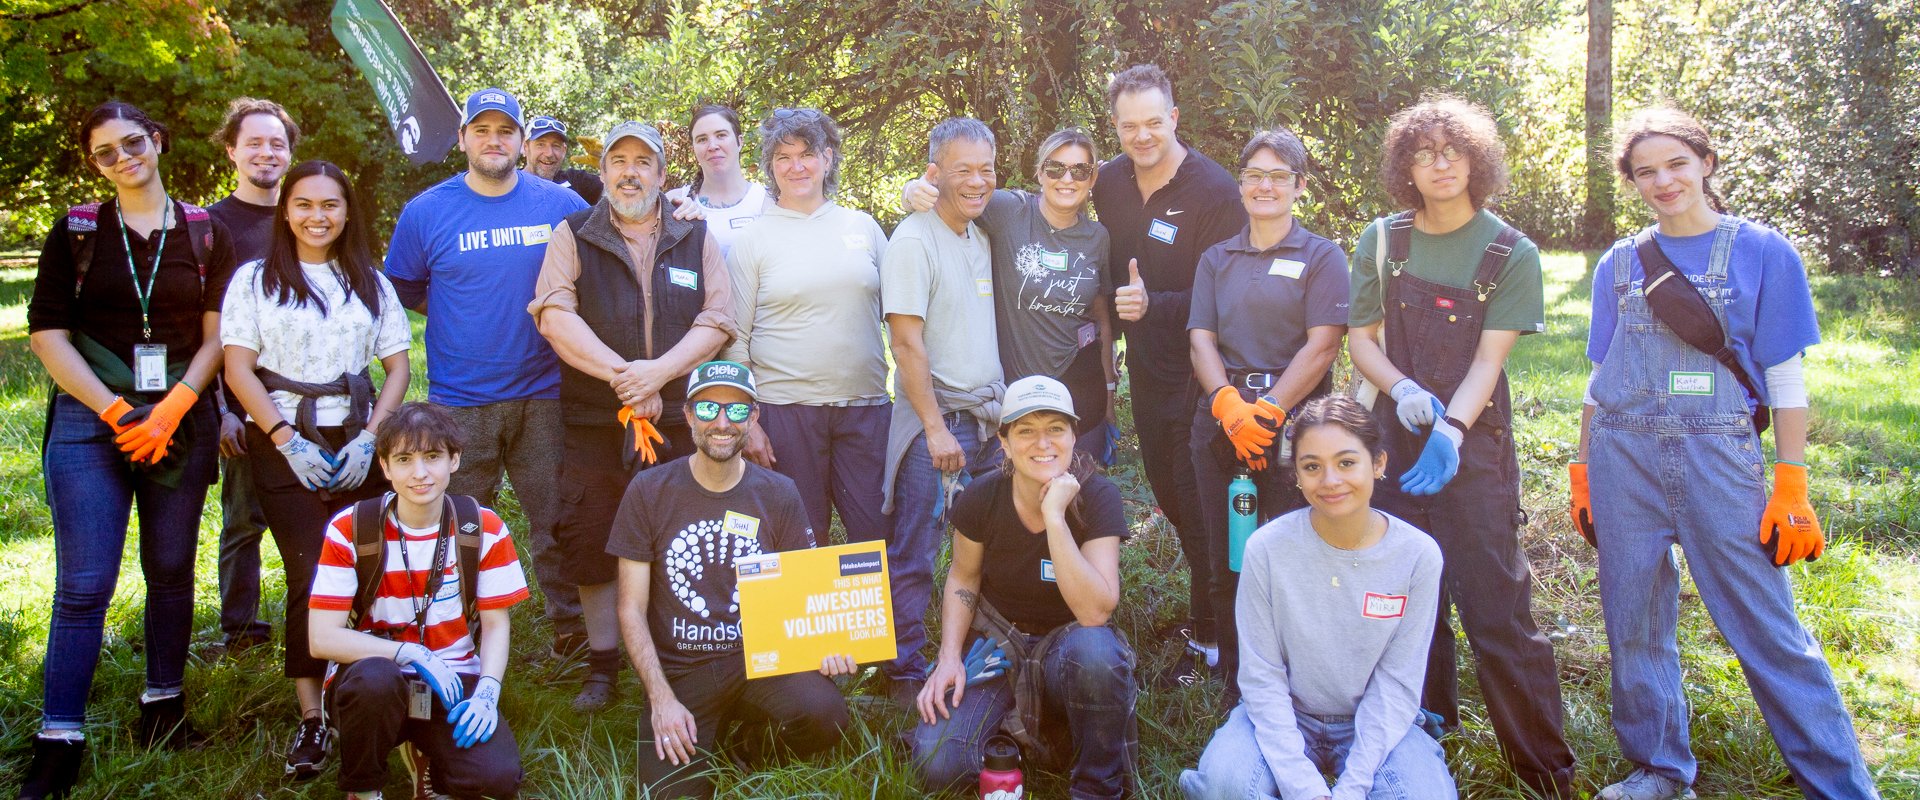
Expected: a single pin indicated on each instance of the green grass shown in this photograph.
(1862, 601)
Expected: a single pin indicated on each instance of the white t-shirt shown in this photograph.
(309, 345)
(725, 223)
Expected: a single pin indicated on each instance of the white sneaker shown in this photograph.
(1210, 652)
(1644, 785)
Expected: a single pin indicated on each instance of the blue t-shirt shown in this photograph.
(473, 260)
(1765, 281)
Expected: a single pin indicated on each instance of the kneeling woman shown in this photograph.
(1036, 567)
(1336, 609)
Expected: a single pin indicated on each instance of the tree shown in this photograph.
(1598, 220)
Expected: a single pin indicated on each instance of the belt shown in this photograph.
(1256, 381)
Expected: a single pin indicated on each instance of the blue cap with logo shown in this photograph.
(721, 373)
(543, 125)
(492, 99)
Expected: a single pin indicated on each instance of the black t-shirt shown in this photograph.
(107, 308)
(691, 537)
(1016, 572)
(1199, 208)
(249, 225)
(583, 183)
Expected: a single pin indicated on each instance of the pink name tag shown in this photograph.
(1384, 606)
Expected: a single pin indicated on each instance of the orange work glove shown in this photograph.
(148, 440)
(116, 412)
(1582, 508)
(1249, 426)
(645, 436)
(1789, 529)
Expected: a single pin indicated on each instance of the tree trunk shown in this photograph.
(1598, 220)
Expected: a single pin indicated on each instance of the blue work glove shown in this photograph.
(475, 719)
(309, 462)
(439, 677)
(1416, 407)
(1439, 461)
(354, 461)
(984, 664)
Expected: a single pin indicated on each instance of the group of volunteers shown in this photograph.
(676, 380)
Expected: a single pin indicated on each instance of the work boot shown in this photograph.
(163, 723)
(602, 684)
(1644, 785)
(55, 768)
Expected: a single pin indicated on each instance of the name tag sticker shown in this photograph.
(1046, 570)
(1053, 261)
(535, 234)
(149, 367)
(1287, 268)
(1162, 230)
(740, 524)
(1384, 606)
(855, 241)
(1700, 383)
(984, 286)
(683, 277)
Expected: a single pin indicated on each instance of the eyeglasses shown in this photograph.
(1425, 156)
(1277, 177)
(134, 146)
(1082, 171)
(708, 411)
(803, 113)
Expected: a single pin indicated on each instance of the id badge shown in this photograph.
(1087, 334)
(149, 367)
(419, 700)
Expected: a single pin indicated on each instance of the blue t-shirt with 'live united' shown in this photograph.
(474, 260)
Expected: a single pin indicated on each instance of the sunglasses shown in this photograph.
(134, 146)
(1082, 171)
(708, 411)
(1426, 155)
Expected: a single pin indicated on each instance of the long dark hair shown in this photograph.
(701, 112)
(1668, 121)
(281, 275)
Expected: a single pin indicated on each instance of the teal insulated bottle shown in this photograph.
(1243, 515)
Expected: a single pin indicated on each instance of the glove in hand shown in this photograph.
(1789, 528)
(476, 718)
(1251, 427)
(1439, 461)
(309, 462)
(644, 435)
(117, 412)
(147, 441)
(439, 677)
(353, 462)
(1582, 507)
(1418, 407)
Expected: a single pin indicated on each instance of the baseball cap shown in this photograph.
(492, 99)
(1036, 393)
(543, 125)
(651, 136)
(721, 373)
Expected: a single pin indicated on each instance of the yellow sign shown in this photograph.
(800, 606)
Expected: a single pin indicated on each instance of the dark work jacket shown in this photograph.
(615, 309)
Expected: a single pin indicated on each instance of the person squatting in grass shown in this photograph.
(125, 316)
(681, 526)
(1269, 309)
(300, 328)
(1035, 573)
(414, 667)
(1669, 441)
(1336, 608)
(1440, 293)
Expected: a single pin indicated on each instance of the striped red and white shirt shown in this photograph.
(393, 614)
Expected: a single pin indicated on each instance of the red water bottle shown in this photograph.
(1000, 777)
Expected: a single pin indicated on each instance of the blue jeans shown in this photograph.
(241, 525)
(919, 527)
(1088, 691)
(91, 491)
(1232, 767)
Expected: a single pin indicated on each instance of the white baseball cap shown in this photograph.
(1036, 393)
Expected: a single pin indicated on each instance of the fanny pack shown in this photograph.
(1678, 304)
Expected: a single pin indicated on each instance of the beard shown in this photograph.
(636, 210)
(491, 172)
(548, 171)
(721, 452)
(260, 182)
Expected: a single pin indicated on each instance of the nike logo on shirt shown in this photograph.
(1171, 212)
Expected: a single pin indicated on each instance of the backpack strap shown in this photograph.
(83, 222)
(466, 523)
(200, 233)
(1494, 259)
(1678, 304)
(369, 555)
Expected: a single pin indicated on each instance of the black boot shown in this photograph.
(163, 723)
(55, 769)
(603, 681)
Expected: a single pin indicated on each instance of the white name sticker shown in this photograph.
(1384, 606)
(1162, 230)
(1053, 261)
(683, 277)
(740, 524)
(855, 241)
(1287, 268)
(984, 286)
(535, 234)
(1700, 383)
(1046, 570)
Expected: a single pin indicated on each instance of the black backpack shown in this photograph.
(459, 516)
(1677, 303)
(83, 222)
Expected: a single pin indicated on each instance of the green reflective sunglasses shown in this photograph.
(708, 411)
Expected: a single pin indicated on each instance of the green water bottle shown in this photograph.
(1243, 515)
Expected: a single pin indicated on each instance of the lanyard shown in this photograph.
(423, 602)
(145, 295)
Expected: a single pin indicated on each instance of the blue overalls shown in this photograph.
(1673, 459)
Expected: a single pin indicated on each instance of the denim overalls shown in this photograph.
(1432, 331)
(1674, 460)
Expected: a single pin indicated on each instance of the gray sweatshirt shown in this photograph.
(1325, 631)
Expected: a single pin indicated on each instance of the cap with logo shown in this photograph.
(721, 373)
(637, 130)
(543, 125)
(492, 99)
(1036, 393)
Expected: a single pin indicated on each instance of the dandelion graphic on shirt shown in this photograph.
(1054, 281)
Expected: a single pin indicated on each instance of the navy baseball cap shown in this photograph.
(492, 99)
(543, 125)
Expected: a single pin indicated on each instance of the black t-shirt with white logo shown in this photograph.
(586, 184)
(1016, 572)
(692, 537)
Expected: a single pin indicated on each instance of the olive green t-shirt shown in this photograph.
(1518, 304)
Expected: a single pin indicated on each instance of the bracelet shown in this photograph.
(276, 428)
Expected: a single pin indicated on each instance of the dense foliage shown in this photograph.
(1816, 105)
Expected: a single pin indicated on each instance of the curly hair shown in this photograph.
(1667, 121)
(808, 127)
(1466, 125)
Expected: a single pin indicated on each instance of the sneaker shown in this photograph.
(1644, 785)
(308, 753)
(418, 767)
(55, 768)
(163, 723)
(1210, 652)
(905, 693)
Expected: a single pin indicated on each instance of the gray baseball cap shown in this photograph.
(638, 130)
(1036, 393)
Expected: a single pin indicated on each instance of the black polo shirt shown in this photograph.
(1260, 303)
(1199, 208)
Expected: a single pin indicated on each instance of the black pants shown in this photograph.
(367, 704)
(1162, 415)
(593, 481)
(802, 714)
(298, 518)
